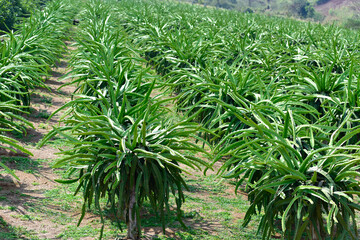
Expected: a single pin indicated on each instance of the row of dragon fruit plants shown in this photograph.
(27, 55)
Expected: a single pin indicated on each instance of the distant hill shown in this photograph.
(316, 9)
(345, 12)
(235, 4)
(325, 8)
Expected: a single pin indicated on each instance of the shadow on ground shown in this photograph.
(8, 232)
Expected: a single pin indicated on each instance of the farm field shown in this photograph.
(157, 111)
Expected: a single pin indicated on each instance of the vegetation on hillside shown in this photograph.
(345, 14)
(12, 10)
(297, 8)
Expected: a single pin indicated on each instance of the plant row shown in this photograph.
(281, 107)
(26, 58)
(125, 148)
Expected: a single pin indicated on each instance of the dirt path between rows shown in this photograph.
(22, 202)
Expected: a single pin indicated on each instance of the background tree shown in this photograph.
(302, 8)
(353, 20)
(9, 10)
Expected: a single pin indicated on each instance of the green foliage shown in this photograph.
(124, 150)
(30, 6)
(302, 8)
(127, 151)
(352, 23)
(281, 106)
(26, 56)
(319, 2)
(299, 174)
(9, 10)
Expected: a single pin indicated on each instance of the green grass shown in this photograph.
(62, 92)
(26, 217)
(43, 125)
(43, 208)
(23, 164)
(58, 143)
(78, 233)
(3, 198)
(46, 99)
(209, 212)
(9, 232)
(63, 198)
(11, 208)
(42, 113)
